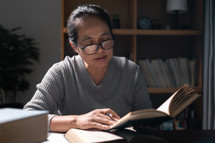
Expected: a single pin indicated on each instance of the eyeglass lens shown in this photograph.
(94, 48)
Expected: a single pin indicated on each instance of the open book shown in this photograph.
(174, 105)
(116, 136)
(91, 136)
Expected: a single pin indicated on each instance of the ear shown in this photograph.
(72, 45)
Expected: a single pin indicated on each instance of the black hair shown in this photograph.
(84, 11)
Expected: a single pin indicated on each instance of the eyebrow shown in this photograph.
(86, 37)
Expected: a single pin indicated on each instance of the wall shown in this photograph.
(41, 20)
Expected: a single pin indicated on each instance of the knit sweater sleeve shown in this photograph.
(49, 93)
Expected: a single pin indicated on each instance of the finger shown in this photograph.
(110, 111)
(115, 115)
(109, 116)
(98, 125)
(104, 119)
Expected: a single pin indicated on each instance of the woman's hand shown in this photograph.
(99, 119)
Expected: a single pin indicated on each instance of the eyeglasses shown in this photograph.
(92, 49)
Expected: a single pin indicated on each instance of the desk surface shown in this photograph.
(183, 136)
(187, 136)
(56, 138)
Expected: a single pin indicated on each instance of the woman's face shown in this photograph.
(91, 31)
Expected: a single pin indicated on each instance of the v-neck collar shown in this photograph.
(106, 76)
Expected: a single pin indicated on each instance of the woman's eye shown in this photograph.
(88, 44)
(103, 40)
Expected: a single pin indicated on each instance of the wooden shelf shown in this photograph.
(169, 90)
(157, 32)
(154, 32)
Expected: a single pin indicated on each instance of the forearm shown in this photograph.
(62, 123)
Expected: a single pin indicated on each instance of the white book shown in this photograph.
(153, 73)
(165, 73)
(171, 74)
(176, 71)
(159, 73)
(91, 136)
(147, 73)
(184, 70)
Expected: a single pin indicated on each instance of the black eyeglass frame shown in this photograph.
(100, 44)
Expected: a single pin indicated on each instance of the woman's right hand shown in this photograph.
(97, 119)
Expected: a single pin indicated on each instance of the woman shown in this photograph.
(80, 91)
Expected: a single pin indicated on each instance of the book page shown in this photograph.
(182, 98)
(56, 138)
(78, 135)
(166, 105)
(138, 115)
(185, 103)
(146, 114)
(169, 104)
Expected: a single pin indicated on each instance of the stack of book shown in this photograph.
(172, 72)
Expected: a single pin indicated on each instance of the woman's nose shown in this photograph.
(100, 49)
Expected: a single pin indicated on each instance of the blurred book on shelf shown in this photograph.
(171, 72)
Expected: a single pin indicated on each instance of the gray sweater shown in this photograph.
(68, 89)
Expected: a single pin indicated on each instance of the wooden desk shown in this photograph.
(187, 136)
(176, 136)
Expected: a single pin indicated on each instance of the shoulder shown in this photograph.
(67, 62)
(66, 65)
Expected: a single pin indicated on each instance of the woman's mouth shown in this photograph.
(101, 58)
